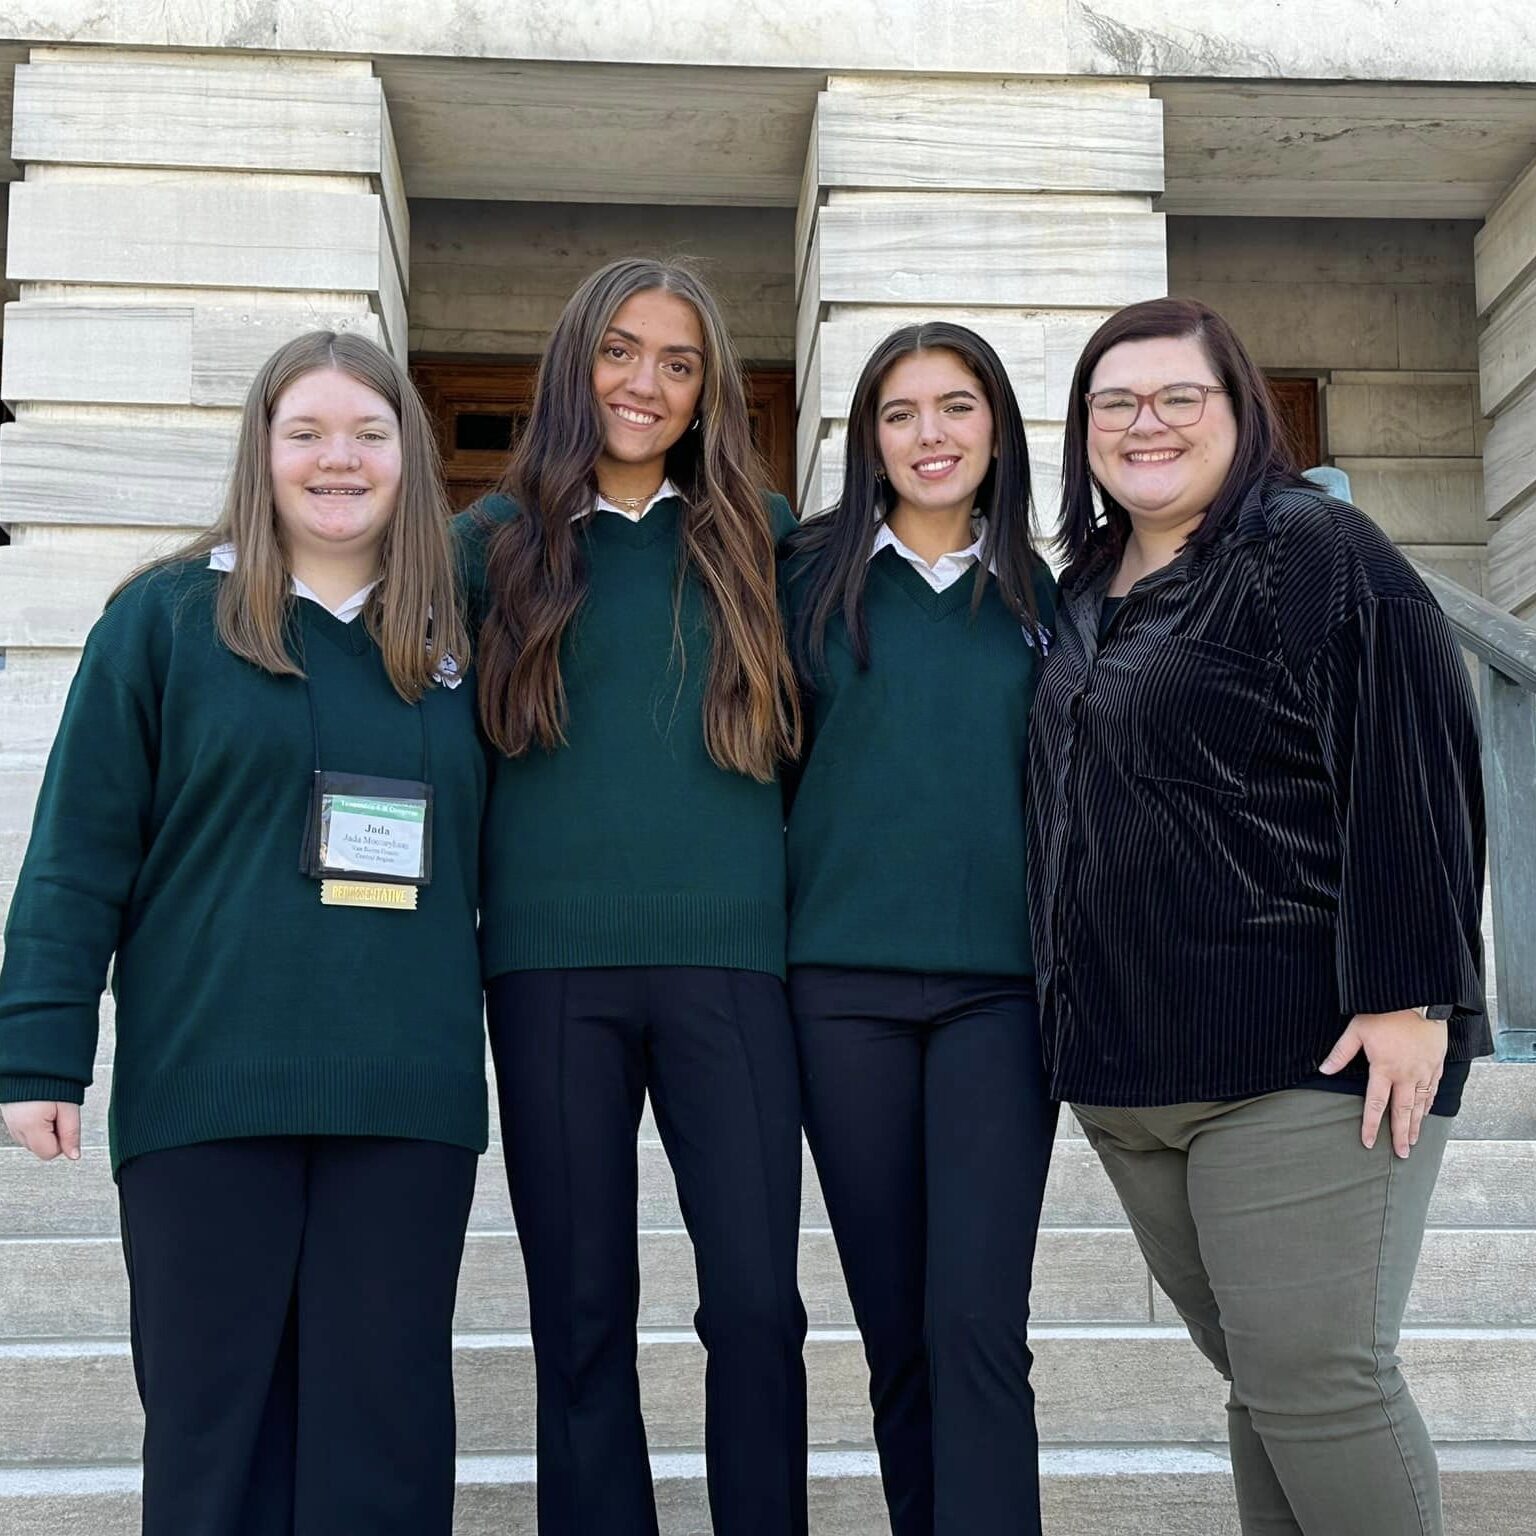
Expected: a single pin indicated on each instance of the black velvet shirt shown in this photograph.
(1257, 813)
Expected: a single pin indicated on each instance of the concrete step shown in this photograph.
(80, 1199)
(76, 1287)
(1097, 1384)
(70, 1287)
(1483, 1183)
(1086, 1491)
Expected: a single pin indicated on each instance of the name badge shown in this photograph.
(368, 840)
(373, 836)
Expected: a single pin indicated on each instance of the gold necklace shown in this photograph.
(631, 505)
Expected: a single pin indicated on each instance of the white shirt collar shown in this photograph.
(665, 489)
(223, 559)
(947, 569)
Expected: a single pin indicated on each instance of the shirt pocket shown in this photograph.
(1199, 712)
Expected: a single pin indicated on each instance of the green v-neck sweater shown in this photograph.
(907, 830)
(628, 845)
(168, 834)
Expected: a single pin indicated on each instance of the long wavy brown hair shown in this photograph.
(413, 613)
(535, 568)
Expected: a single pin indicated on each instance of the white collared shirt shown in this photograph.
(665, 489)
(947, 569)
(223, 559)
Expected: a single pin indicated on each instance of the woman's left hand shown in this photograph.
(1406, 1055)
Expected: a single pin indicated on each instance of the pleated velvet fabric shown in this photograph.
(1256, 810)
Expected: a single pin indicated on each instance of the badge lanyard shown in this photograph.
(367, 839)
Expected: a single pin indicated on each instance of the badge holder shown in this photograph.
(368, 840)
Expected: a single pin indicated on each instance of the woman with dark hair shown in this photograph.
(1255, 878)
(636, 683)
(919, 619)
(298, 1089)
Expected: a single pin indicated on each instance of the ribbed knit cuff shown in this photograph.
(32, 1090)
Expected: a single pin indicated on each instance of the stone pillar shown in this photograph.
(1022, 208)
(179, 216)
(1506, 305)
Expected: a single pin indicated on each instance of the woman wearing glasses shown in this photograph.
(1255, 878)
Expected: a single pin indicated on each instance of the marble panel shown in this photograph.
(1482, 40)
(125, 111)
(1421, 500)
(68, 471)
(1509, 458)
(1008, 138)
(1506, 244)
(1512, 562)
(1392, 415)
(201, 231)
(952, 250)
(1507, 348)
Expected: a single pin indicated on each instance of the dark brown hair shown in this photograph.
(536, 577)
(839, 540)
(413, 612)
(1263, 453)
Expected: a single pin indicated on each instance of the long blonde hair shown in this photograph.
(535, 572)
(413, 613)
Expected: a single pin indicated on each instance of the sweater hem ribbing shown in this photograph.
(29, 1088)
(851, 958)
(409, 1100)
(683, 929)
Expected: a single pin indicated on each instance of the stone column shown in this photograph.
(1022, 208)
(1505, 254)
(179, 216)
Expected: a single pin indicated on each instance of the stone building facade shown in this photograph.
(188, 184)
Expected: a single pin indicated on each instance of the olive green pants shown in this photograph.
(1289, 1251)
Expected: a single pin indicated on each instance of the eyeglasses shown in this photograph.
(1175, 405)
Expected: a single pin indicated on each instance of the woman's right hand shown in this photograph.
(45, 1127)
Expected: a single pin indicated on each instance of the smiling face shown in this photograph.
(335, 459)
(1163, 476)
(935, 432)
(647, 377)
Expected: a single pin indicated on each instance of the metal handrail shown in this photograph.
(1506, 651)
(1491, 634)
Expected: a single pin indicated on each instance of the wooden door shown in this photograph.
(478, 411)
(1297, 403)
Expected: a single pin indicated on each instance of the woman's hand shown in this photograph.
(44, 1127)
(1406, 1054)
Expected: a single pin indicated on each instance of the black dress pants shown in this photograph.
(292, 1324)
(927, 1113)
(576, 1051)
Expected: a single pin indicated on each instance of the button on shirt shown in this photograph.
(1256, 812)
(947, 569)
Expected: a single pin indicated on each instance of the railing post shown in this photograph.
(1509, 776)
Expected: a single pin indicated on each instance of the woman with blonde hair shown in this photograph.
(634, 678)
(263, 808)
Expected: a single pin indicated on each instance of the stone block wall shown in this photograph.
(1383, 313)
(489, 279)
(178, 217)
(1021, 208)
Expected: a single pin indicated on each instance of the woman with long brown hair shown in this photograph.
(263, 808)
(635, 681)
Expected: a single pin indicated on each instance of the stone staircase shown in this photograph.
(1131, 1415)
